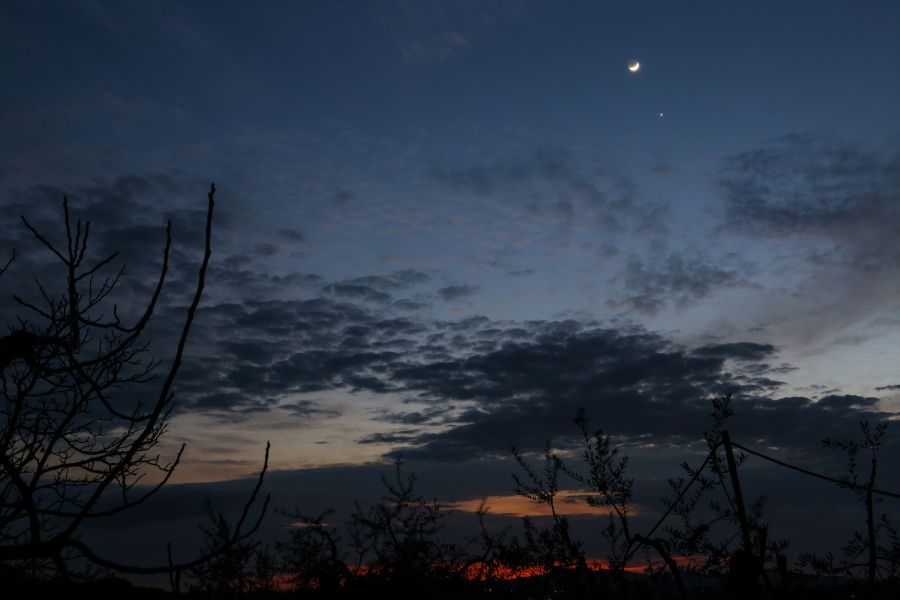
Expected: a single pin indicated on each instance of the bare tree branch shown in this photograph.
(72, 446)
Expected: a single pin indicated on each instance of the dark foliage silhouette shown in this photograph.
(80, 418)
(394, 548)
(313, 558)
(606, 484)
(708, 541)
(705, 523)
(229, 570)
(874, 554)
(712, 524)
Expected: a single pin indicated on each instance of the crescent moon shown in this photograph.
(634, 66)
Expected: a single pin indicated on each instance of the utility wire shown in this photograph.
(684, 490)
(672, 506)
(840, 482)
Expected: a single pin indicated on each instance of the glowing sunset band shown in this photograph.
(569, 502)
(491, 570)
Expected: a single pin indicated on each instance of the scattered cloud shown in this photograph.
(398, 280)
(820, 190)
(550, 183)
(676, 280)
(452, 293)
(308, 408)
(440, 47)
(743, 351)
(290, 236)
(358, 292)
(342, 196)
(826, 215)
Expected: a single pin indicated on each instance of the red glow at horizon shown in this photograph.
(502, 572)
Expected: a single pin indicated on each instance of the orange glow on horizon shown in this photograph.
(569, 503)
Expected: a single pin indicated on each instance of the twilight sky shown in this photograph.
(443, 226)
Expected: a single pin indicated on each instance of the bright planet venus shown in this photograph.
(634, 66)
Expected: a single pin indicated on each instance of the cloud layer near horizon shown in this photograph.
(281, 343)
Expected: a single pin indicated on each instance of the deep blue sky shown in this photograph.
(444, 225)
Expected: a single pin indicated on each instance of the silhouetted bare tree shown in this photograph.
(237, 568)
(704, 504)
(707, 524)
(75, 446)
(874, 554)
(553, 549)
